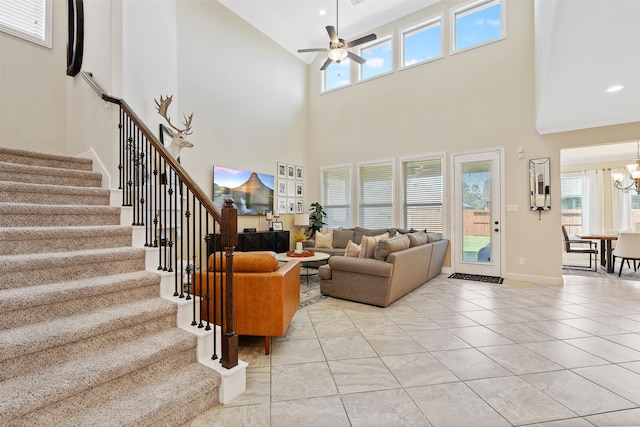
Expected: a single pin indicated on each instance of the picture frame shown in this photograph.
(291, 171)
(282, 170)
(282, 205)
(299, 189)
(291, 206)
(299, 173)
(277, 226)
(282, 187)
(291, 189)
(299, 206)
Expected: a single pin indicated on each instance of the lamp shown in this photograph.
(338, 54)
(634, 175)
(301, 220)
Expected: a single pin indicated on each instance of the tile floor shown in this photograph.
(452, 353)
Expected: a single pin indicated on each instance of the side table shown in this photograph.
(304, 260)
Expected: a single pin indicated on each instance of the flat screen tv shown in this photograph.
(252, 192)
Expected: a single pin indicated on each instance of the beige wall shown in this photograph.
(33, 90)
(472, 101)
(247, 93)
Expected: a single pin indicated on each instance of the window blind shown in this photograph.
(27, 19)
(423, 194)
(375, 201)
(336, 190)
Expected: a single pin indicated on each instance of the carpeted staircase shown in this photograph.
(85, 338)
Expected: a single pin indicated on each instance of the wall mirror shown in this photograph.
(539, 184)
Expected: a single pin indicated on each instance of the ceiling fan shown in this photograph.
(338, 48)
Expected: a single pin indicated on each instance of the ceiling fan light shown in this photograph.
(338, 54)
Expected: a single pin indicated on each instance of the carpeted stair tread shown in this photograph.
(19, 307)
(24, 157)
(28, 240)
(44, 194)
(39, 337)
(37, 269)
(29, 215)
(15, 172)
(161, 402)
(62, 381)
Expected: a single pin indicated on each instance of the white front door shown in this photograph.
(477, 214)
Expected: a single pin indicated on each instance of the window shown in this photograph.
(375, 196)
(337, 75)
(379, 56)
(571, 204)
(423, 188)
(477, 23)
(422, 43)
(635, 212)
(27, 19)
(336, 196)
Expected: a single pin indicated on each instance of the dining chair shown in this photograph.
(580, 246)
(627, 248)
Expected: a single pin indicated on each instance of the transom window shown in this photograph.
(422, 43)
(477, 23)
(337, 75)
(27, 19)
(379, 56)
(423, 191)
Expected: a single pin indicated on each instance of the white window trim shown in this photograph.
(46, 42)
(391, 161)
(322, 188)
(454, 11)
(438, 19)
(378, 41)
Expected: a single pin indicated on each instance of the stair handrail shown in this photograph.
(184, 176)
(227, 220)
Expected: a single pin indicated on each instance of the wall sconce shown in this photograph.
(539, 185)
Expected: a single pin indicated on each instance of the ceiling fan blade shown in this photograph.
(333, 34)
(361, 40)
(315, 49)
(354, 57)
(326, 64)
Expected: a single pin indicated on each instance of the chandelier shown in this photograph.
(634, 175)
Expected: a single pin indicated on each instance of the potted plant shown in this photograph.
(316, 216)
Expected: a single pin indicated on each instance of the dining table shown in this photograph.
(606, 247)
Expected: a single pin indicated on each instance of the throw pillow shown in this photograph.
(368, 244)
(324, 240)
(341, 237)
(352, 250)
(387, 246)
(417, 239)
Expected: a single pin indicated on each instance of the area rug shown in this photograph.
(477, 278)
(627, 273)
(310, 293)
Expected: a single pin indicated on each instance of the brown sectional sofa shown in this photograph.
(398, 269)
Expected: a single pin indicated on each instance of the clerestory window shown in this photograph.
(421, 43)
(478, 23)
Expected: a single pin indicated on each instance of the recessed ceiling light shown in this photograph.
(614, 88)
(322, 12)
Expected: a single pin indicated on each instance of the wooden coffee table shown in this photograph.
(304, 260)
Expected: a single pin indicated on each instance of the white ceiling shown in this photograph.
(582, 48)
(297, 24)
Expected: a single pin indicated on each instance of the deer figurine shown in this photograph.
(179, 136)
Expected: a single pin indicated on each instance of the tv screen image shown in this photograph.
(252, 192)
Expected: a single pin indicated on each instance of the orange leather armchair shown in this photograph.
(266, 294)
